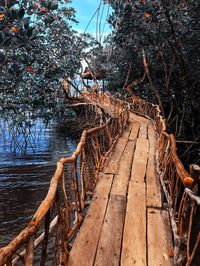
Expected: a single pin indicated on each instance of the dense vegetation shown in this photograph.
(153, 52)
(38, 51)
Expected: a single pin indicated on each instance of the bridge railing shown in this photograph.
(174, 178)
(63, 209)
(59, 216)
(175, 181)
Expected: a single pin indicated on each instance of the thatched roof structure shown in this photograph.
(98, 74)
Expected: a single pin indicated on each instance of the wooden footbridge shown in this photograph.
(122, 198)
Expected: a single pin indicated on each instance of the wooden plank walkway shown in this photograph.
(125, 223)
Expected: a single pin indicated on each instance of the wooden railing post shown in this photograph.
(108, 136)
(46, 236)
(195, 174)
(29, 252)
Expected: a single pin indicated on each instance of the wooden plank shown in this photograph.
(159, 238)
(111, 166)
(109, 247)
(85, 245)
(134, 239)
(121, 180)
(138, 172)
(152, 181)
(135, 130)
(143, 131)
(138, 118)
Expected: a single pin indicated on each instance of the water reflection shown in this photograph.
(25, 177)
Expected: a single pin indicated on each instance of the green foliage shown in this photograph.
(169, 33)
(38, 49)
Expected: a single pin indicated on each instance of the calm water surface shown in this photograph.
(25, 177)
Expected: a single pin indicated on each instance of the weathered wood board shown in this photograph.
(111, 166)
(121, 180)
(134, 238)
(159, 239)
(85, 245)
(138, 173)
(135, 130)
(109, 247)
(152, 180)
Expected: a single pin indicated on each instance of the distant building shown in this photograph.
(99, 74)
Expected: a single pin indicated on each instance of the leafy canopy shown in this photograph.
(38, 50)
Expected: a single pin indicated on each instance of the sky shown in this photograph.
(85, 9)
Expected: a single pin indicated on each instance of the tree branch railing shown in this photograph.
(175, 181)
(59, 216)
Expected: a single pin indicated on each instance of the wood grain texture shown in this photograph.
(152, 180)
(143, 131)
(85, 245)
(134, 239)
(111, 166)
(135, 130)
(109, 247)
(138, 118)
(138, 172)
(159, 239)
(121, 180)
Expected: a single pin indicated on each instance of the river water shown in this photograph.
(25, 176)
